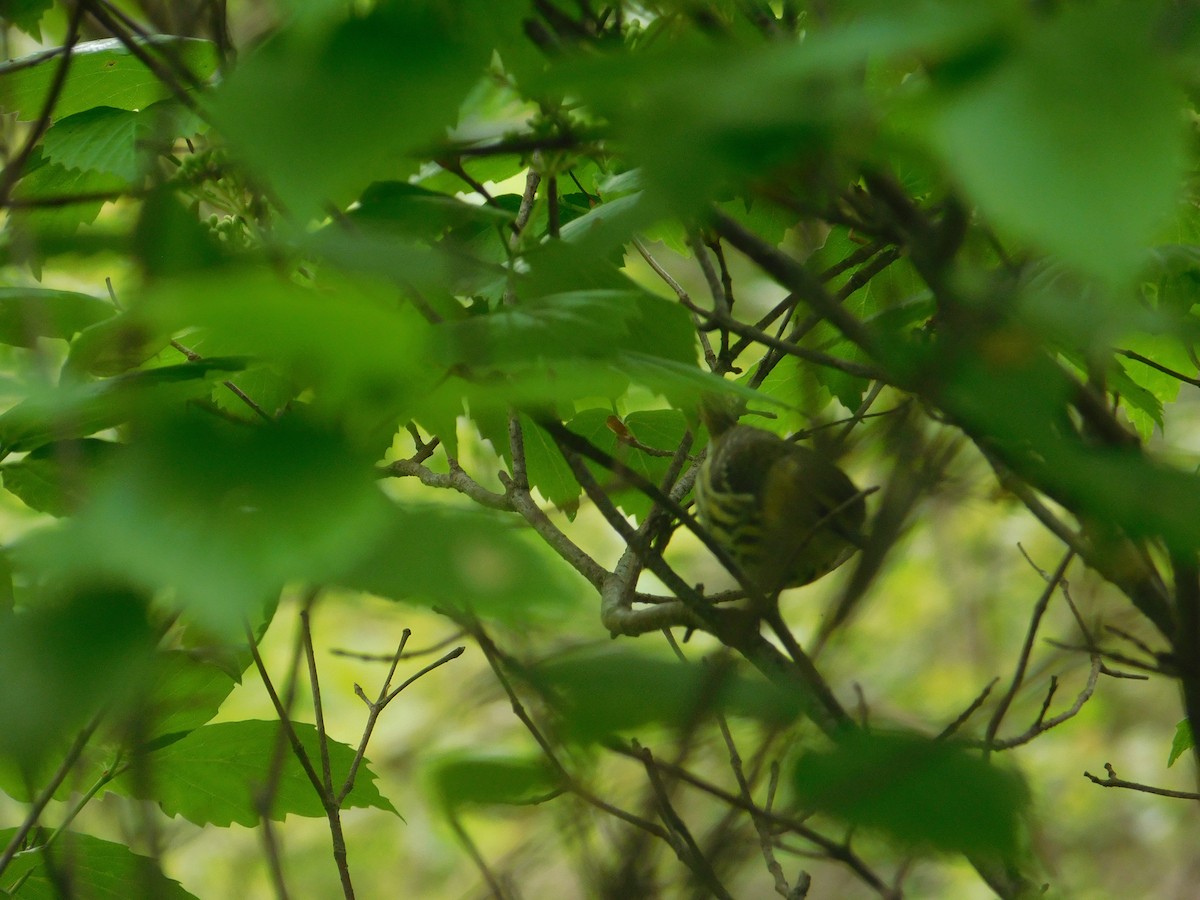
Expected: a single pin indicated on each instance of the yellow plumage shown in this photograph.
(785, 513)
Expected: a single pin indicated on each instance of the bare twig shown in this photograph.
(16, 166)
(456, 480)
(1043, 724)
(1039, 609)
(42, 800)
(832, 849)
(1137, 357)
(386, 696)
(493, 655)
(1113, 781)
(962, 717)
(684, 845)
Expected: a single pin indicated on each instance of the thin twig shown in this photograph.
(968, 712)
(1039, 609)
(1042, 725)
(685, 847)
(492, 653)
(42, 800)
(1113, 781)
(1137, 357)
(16, 166)
(832, 849)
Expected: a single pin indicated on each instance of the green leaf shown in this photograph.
(547, 470)
(279, 502)
(1174, 271)
(266, 387)
(54, 478)
(1144, 409)
(657, 433)
(634, 443)
(1074, 142)
(924, 794)
(61, 661)
(600, 694)
(74, 411)
(492, 781)
(1172, 350)
(184, 693)
(361, 349)
(769, 221)
(681, 383)
(543, 384)
(414, 211)
(118, 142)
(28, 313)
(7, 595)
(101, 139)
(114, 346)
(102, 73)
(462, 559)
(26, 15)
(95, 869)
(213, 775)
(50, 182)
(320, 114)
(1182, 742)
(169, 240)
(593, 324)
(603, 230)
(702, 119)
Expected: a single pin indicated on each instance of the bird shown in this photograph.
(784, 513)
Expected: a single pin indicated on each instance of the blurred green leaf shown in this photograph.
(414, 211)
(486, 781)
(362, 350)
(214, 775)
(102, 73)
(114, 346)
(73, 411)
(54, 477)
(924, 794)
(1074, 142)
(594, 324)
(1018, 397)
(320, 114)
(97, 869)
(168, 239)
(702, 119)
(457, 559)
(28, 313)
(60, 662)
(26, 15)
(7, 595)
(48, 184)
(274, 503)
(1174, 271)
(600, 694)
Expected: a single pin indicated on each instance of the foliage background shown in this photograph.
(1044, 156)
